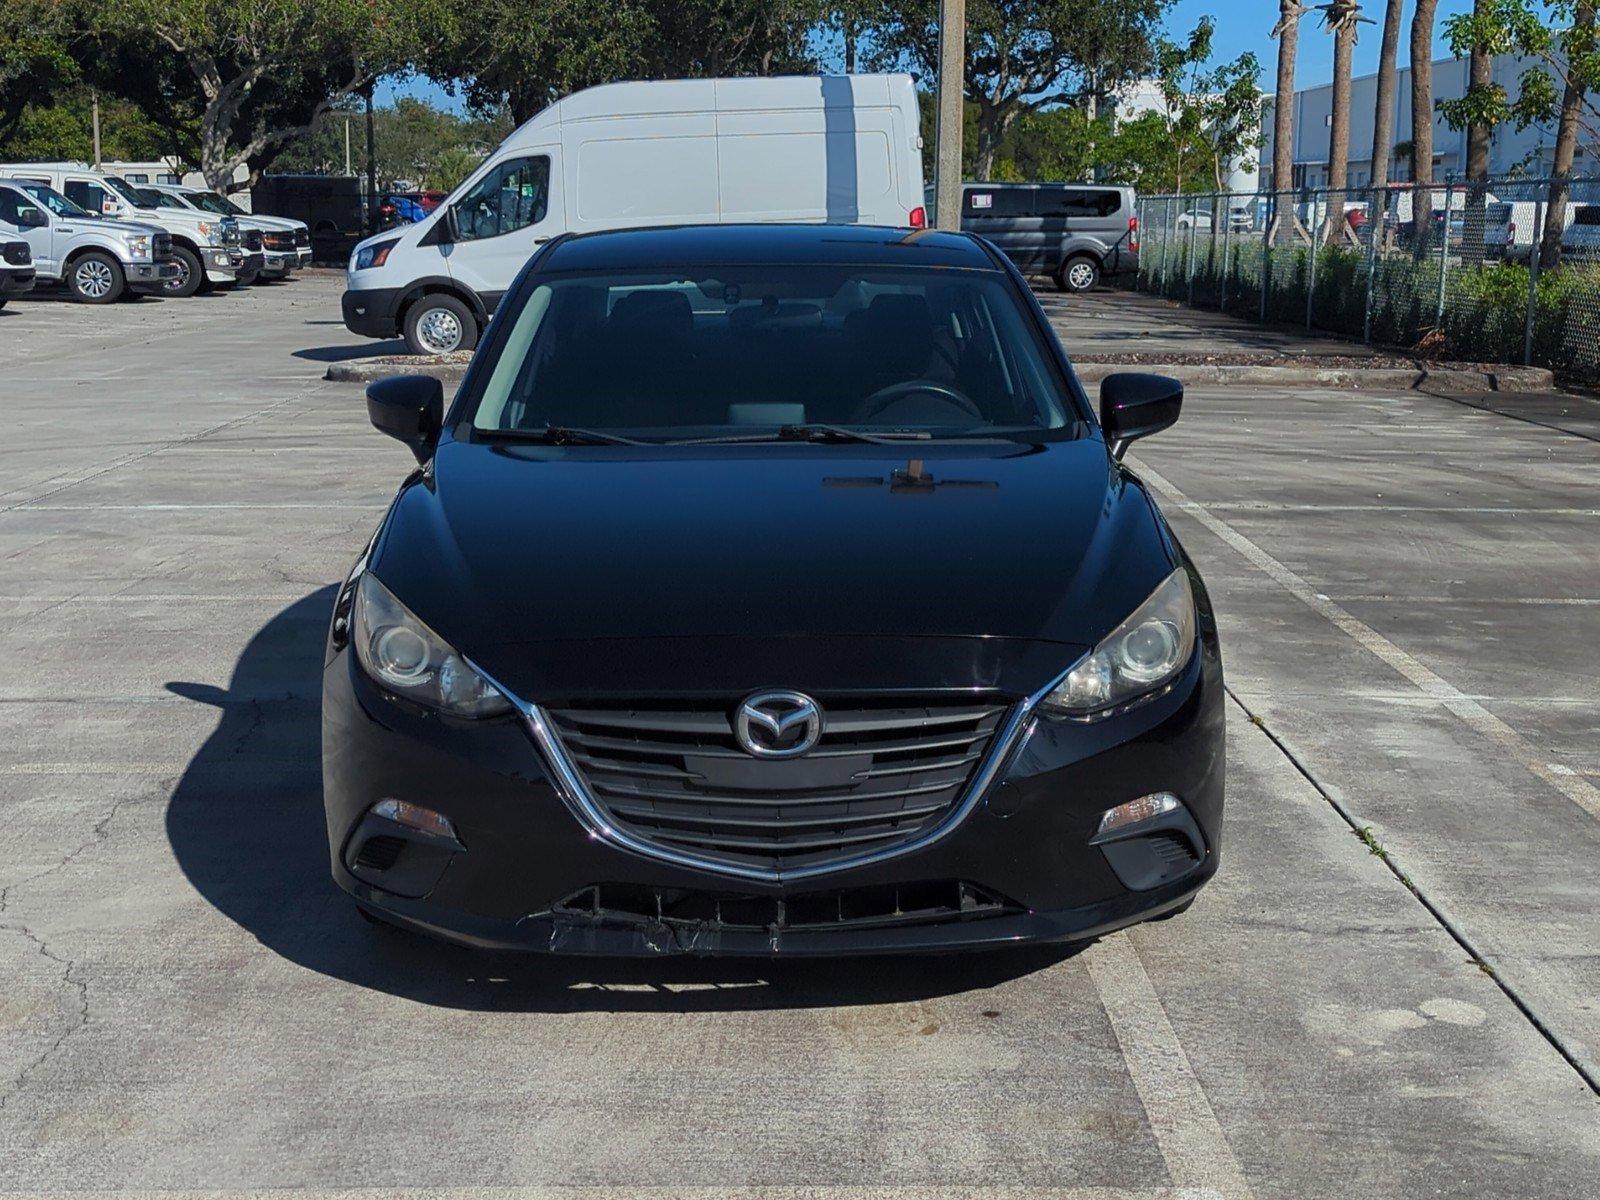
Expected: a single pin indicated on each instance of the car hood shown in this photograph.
(279, 224)
(115, 227)
(732, 561)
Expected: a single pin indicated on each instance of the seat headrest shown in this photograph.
(655, 315)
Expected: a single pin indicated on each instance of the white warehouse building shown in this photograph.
(1526, 152)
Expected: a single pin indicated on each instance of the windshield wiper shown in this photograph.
(810, 433)
(561, 435)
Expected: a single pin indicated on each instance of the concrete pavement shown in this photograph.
(191, 1008)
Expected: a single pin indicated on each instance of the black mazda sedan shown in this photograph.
(772, 590)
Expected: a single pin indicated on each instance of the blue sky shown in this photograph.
(1246, 25)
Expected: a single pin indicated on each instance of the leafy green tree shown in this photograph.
(1211, 113)
(1026, 55)
(1556, 86)
(35, 57)
(265, 70)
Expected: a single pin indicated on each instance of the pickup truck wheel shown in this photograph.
(190, 274)
(96, 278)
(440, 324)
(1078, 274)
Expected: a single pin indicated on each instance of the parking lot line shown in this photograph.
(1483, 722)
(1192, 1144)
(580, 1192)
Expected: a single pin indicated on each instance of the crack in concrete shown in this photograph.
(100, 833)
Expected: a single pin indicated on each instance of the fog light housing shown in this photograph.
(414, 816)
(1145, 808)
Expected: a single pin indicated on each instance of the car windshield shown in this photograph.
(747, 351)
(54, 201)
(212, 202)
(136, 196)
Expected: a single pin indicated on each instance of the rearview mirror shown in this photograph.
(1135, 405)
(409, 408)
(32, 218)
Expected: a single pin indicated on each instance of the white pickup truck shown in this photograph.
(205, 247)
(95, 257)
(286, 243)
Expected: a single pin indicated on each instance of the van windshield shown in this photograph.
(759, 349)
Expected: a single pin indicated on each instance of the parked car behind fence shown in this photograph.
(1078, 234)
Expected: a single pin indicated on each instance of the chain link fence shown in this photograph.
(1451, 271)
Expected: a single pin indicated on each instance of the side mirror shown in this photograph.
(409, 408)
(1135, 405)
(32, 218)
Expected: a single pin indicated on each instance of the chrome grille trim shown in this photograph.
(777, 816)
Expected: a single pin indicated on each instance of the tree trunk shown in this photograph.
(1555, 215)
(993, 121)
(1383, 118)
(1422, 123)
(1342, 16)
(1288, 33)
(1480, 76)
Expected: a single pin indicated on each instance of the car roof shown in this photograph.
(713, 245)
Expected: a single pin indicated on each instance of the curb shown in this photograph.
(1450, 379)
(449, 373)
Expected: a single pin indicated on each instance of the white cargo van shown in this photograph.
(844, 149)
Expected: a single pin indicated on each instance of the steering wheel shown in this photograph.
(885, 396)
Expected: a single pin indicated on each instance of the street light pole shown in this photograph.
(952, 87)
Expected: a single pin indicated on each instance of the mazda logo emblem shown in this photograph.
(777, 724)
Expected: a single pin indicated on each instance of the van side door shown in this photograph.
(499, 220)
(1083, 219)
(1006, 216)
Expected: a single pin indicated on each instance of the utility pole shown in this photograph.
(94, 109)
(347, 169)
(372, 168)
(952, 87)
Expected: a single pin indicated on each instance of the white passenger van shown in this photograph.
(842, 149)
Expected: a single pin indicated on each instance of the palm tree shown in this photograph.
(1287, 31)
(1555, 216)
(1383, 119)
(1342, 17)
(1422, 121)
(1480, 77)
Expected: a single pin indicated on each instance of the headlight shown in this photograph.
(374, 255)
(139, 247)
(1134, 659)
(411, 660)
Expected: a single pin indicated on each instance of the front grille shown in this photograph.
(252, 240)
(278, 241)
(16, 254)
(881, 775)
(161, 246)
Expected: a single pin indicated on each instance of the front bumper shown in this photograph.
(279, 263)
(150, 275)
(14, 281)
(372, 312)
(517, 877)
(221, 264)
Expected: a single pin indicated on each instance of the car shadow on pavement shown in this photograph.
(347, 352)
(246, 826)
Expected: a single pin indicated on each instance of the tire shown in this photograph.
(2, 303)
(1080, 273)
(190, 274)
(243, 281)
(440, 324)
(95, 278)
